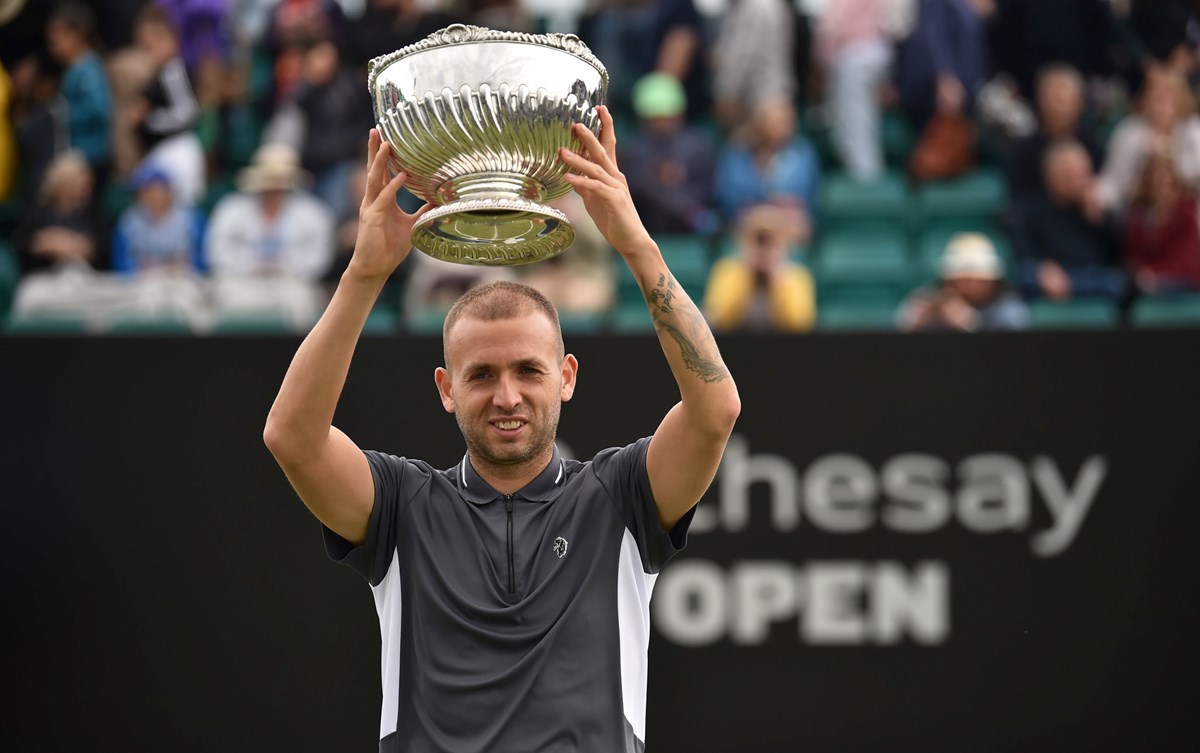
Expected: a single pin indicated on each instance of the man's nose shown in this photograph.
(506, 395)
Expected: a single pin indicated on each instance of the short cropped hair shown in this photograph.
(77, 17)
(499, 300)
(1059, 69)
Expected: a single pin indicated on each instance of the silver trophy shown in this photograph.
(476, 118)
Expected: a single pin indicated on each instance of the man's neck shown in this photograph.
(508, 479)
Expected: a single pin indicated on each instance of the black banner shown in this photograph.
(914, 544)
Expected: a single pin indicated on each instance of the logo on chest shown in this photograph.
(560, 547)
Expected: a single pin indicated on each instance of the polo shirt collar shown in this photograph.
(543, 488)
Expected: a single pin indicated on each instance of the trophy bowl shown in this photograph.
(476, 118)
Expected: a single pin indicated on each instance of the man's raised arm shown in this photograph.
(687, 447)
(328, 470)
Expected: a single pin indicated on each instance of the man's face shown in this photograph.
(1069, 176)
(1059, 103)
(505, 381)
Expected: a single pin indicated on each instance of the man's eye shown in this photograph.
(530, 370)
(479, 375)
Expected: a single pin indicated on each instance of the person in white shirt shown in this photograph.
(269, 243)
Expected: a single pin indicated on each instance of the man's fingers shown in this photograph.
(582, 164)
(373, 140)
(608, 134)
(377, 173)
(388, 193)
(584, 185)
(595, 150)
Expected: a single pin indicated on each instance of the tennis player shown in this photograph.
(512, 589)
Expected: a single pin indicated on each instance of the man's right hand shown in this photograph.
(384, 229)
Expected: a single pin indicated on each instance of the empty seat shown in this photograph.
(849, 315)
(850, 203)
(37, 326)
(1085, 313)
(862, 266)
(1167, 311)
(148, 325)
(631, 318)
(581, 322)
(982, 194)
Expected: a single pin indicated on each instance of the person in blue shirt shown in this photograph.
(769, 164)
(85, 90)
(156, 232)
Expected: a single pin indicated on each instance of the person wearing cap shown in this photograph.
(670, 164)
(156, 232)
(270, 225)
(970, 295)
(269, 242)
(760, 289)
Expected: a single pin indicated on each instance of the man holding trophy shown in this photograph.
(512, 589)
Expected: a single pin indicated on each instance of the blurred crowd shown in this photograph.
(911, 164)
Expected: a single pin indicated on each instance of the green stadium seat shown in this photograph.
(148, 325)
(380, 322)
(1085, 313)
(865, 266)
(581, 322)
(426, 322)
(117, 198)
(898, 137)
(849, 203)
(1181, 310)
(982, 193)
(630, 318)
(253, 324)
(10, 273)
(45, 326)
(864, 316)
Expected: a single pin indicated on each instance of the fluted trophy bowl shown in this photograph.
(476, 118)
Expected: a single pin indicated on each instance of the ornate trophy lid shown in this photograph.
(467, 34)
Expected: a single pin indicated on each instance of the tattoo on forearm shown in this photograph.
(674, 314)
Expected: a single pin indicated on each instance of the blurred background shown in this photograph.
(916, 541)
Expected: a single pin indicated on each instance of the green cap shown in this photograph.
(658, 95)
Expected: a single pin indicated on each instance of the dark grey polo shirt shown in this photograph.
(515, 624)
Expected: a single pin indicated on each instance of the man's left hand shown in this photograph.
(603, 187)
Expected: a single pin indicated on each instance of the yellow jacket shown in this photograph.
(792, 301)
(8, 146)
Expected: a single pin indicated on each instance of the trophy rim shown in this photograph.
(459, 250)
(460, 34)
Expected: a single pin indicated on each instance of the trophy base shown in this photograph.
(493, 232)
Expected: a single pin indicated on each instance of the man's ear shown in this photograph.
(570, 369)
(441, 378)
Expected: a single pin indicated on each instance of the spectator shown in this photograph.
(336, 113)
(582, 279)
(85, 89)
(761, 289)
(203, 27)
(1084, 34)
(970, 295)
(1165, 124)
(505, 15)
(769, 163)
(294, 26)
(754, 63)
(269, 242)
(1162, 233)
(434, 285)
(63, 228)
(156, 233)
(40, 123)
(637, 37)
(856, 56)
(941, 63)
(387, 25)
(669, 164)
(1060, 104)
(1066, 242)
(167, 111)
